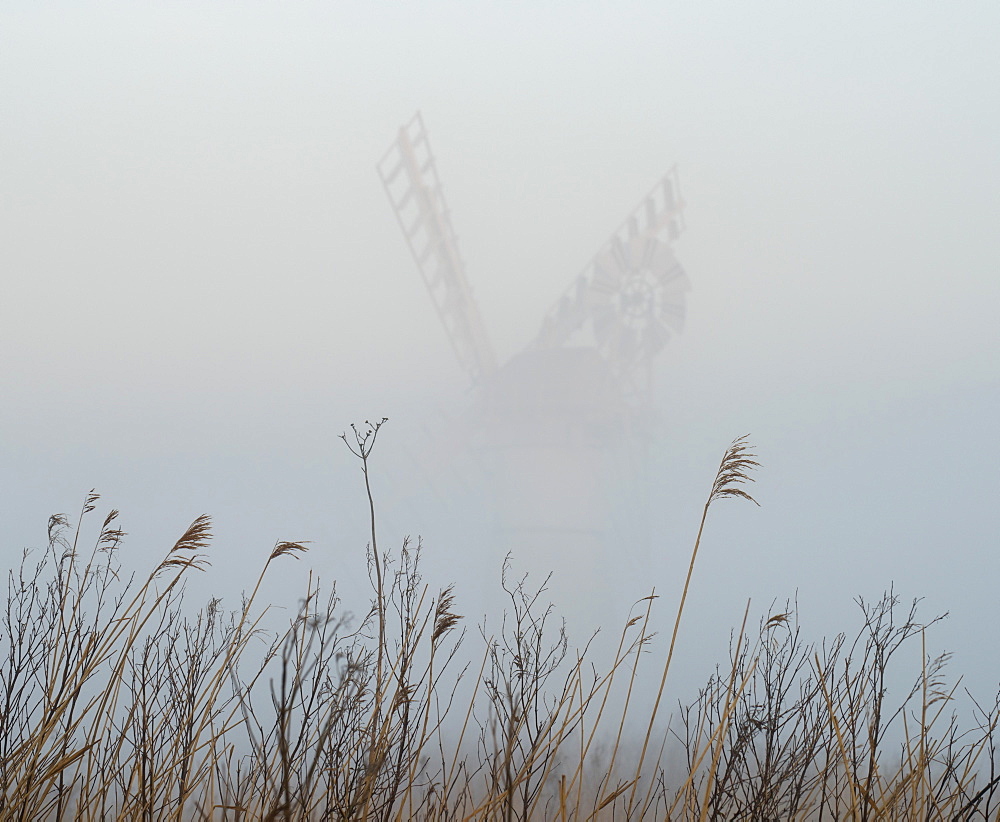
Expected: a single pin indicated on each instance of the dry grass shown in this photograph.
(116, 704)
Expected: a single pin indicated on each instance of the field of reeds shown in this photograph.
(117, 702)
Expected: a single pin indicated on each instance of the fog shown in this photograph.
(204, 285)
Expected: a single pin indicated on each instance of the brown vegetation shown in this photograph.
(115, 704)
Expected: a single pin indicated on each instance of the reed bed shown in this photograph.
(116, 702)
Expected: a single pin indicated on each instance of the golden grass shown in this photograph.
(114, 703)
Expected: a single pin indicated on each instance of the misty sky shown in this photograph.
(203, 283)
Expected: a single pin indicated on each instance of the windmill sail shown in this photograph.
(410, 178)
(632, 292)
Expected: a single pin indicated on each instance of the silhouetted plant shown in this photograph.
(116, 704)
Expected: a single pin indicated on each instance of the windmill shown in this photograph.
(551, 423)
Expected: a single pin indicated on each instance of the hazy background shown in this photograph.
(203, 284)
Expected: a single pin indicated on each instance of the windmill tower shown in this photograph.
(556, 421)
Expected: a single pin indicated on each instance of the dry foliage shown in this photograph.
(115, 704)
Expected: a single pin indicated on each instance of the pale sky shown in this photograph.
(203, 283)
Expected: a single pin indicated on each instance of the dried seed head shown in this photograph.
(444, 618)
(288, 548)
(91, 502)
(776, 620)
(196, 537)
(57, 524)
(734, 471)
(198, 561)
(110, 537)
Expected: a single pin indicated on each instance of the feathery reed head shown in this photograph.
(734, 471)
(198, 561)
(196, 537)
(444, 618)
(57, 524)
(111, 537)
(91, 501)
(287, 549)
